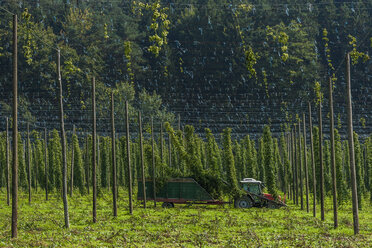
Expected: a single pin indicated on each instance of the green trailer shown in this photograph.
(177, 191)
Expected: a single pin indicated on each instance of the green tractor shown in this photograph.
(255, 197)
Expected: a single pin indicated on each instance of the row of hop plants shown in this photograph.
(217, 167)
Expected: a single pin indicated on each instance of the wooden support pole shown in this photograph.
(94, 140)
(293, 168)
(113, 143)
(170, 150)
(128, 158)
(305, 164)
(142, 159)
(15, 133)
(161, 142)
(63, 138)
(7, 164)
(87, 164)
(72, 162)
(351, 148)
(312, 159)
(46, 163)
(300, 164)
(28, 163)
(153, 160)
(333, 156)
(321, 163)
(296, 163)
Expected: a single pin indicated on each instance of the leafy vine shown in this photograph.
(127, 54)
(159, 24)
(355, 54)
(29, 44)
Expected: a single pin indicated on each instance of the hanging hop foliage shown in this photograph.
(29, 44)
(105, 32)
(159, 24)
(127, 54)
(354, 54)
(318, 93)
(250, 60)
(282, 38)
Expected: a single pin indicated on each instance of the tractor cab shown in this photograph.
(252, 186)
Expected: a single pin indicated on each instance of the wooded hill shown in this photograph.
(238, 64)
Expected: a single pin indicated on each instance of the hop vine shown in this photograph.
(127, 54)
(355, 54)
(318, 93)
(282, 38)
(29, 44)
(159, 24)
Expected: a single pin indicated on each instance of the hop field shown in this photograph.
(41, 225)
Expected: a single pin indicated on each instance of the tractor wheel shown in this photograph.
(243, 202)
(167, 205)
(272, 205)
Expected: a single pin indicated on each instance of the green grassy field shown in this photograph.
(41, 225)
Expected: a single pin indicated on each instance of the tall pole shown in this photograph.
(46, 163)
(333, 156)
(36, 169)
(72, 161)
(64, 156)
(293, 169)
(113, 143)
(94, 151)
(179, 122)
(321, 163)
(7, 164)
(153, 160)
(290, 162)
(128, 158)
(29, 163)
(15, 133)
(312, 160)
(161, 141)
(300, 164)
(87, 164)
(295, 164)
(170, 150)
(142, 159)
(305, 163)
(351, 148)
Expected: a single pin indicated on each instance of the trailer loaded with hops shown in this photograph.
(188, 191)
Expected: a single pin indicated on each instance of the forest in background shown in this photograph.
(218, 64)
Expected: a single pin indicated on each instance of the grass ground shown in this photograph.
(41, 225)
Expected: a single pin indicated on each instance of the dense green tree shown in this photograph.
(359, 169)
(369, 163)
(269, 161)
(228, 161)
(79, 179)
(104, 161)
(346, 163)
(261, 160)
(342, 193)
(55, 161)
(39, 159)
(22, 173)
(239, 165)
(212, 153)
(285, 170)
(327, 166)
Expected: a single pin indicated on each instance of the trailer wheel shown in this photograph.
(243, 202)
(167, 205)
(272, 205)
